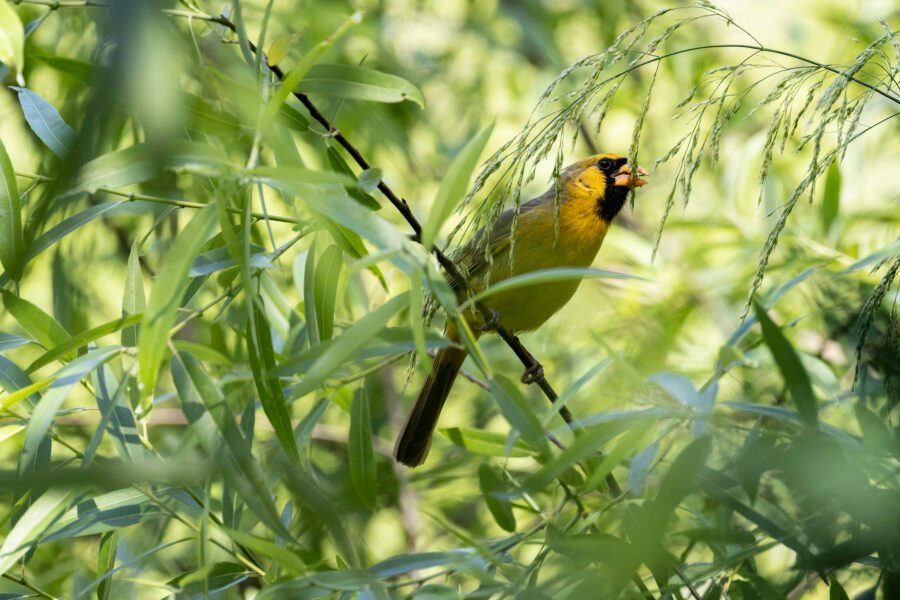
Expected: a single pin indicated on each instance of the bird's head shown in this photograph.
(603, 178)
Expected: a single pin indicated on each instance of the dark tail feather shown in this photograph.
(415, 439)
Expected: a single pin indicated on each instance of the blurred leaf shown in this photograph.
(293, 77)
(361, 454)
(678, 387)
(679, 480)
(8, 340)
(12, 38)
(518, 413)
(349, 343)
(875, 432)
(46, 122)
(41, 326)
(324, 509)
(283, 556)
(407, 563)
(298, 179)
(67, 226)
(831, 198)
(873, 259)
(792, 370)
(433, 591)
(168, 290)
(219, 435)
(106, 562)
(81, 71)
(369, 179)
(544, 276)
(486, 443)
(454, 185)
(209, 580)
(107, 512)
(219, 259)
(279, 48)
(30, 527)
(140, 162)
(355, 191)
(358, 83)
(640, 468)
(495, 490)
(836, 590)
(12, 243)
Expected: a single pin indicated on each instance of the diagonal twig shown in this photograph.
(533, 367)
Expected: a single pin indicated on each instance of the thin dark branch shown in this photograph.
(453, 271)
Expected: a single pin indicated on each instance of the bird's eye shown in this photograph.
(604, 164)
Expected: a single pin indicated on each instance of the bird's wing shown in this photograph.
(472, 257)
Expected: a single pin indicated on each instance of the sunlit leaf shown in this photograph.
(12, 38)
(351, 341)
(358, 83)
(168, 290)
(29, 528)
(46, 122)
(12, 243)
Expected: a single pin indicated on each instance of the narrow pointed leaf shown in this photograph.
(12, 243)
(454, 185)
(46, 122)
(168, 290)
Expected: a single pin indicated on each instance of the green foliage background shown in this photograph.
(209, 308)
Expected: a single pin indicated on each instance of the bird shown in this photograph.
(592, 191)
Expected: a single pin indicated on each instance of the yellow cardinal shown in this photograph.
(593, 191)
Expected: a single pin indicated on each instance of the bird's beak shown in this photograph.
(625, 178)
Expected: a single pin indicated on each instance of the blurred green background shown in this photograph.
(731, 490)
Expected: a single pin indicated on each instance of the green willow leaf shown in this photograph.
(347, 345)
(12, 242)
(831, 197)
(168, 290)
(792, 370)
(327, 275)
(42, 327)
(134, 301)
(106, 562)
(361, 453)
(46, 122)
(140, 162)
(495, 490)
(486, 443)
(359, 83)
(293, 77)
(454, 185)
(268, 387)
(208, 413)
(28, 530)
(44, 412)
(83, 339)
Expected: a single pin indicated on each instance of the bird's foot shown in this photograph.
(492, 322)
(533, 373)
